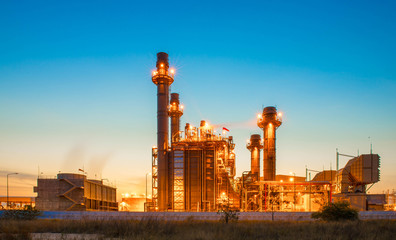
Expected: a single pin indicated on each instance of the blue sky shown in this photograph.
(75, 87)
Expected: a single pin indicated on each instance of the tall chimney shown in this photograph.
(163, 80)
(255, 146)
(269, 122)
(175, 112)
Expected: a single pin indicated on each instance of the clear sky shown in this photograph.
(76, 90)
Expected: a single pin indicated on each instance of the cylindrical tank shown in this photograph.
(255, 146)
(163, 80)
(71, 176)
(269, 122)
(175, 112)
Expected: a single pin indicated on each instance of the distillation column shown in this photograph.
(175, 112)
(163, 80)
(255, 146)
(269, 122)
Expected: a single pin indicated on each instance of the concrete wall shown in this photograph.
(205, 216)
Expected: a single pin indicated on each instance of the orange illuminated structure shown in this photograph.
(175, 111)
(255, 145)
(193, 169)
(269, 122)
(196, 171)
(201, 171)
(16, 202)
(163, 79)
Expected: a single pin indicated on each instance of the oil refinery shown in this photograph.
(193, 169)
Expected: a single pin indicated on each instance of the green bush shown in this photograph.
(337, 211)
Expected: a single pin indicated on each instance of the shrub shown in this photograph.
(228, 215)
(337, 211)
(26, 214)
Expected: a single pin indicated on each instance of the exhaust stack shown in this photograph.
(163, 79)
(255, 145)
(175, 112)
(269, 122)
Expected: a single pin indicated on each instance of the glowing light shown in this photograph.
(191, 127)
(154, 146)
(258, 115)
(281, 181)
(127, 195)
(280, 114)
(154, 73)
(291, 179)
(223, 193)
(162, 65)
(181, 106)
(172, 71)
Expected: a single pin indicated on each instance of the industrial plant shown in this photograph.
(193, 168)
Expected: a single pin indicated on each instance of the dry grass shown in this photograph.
(153, 229)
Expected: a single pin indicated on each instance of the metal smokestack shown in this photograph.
(163, 80)
(255, 146)
(175, 112)
(269, 122)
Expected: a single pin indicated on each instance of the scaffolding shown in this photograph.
(153, 205)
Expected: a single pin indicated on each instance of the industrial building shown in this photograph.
(132, 202)
(16, 202)
(195, 172)
(193, 169)
(74, 192)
